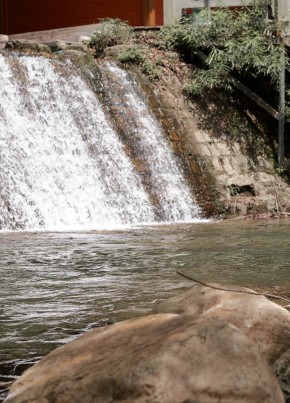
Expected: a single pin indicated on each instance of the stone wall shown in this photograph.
(170, 107)
(232, 166)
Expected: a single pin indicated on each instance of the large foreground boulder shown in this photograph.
(158, 358)
(263, 321)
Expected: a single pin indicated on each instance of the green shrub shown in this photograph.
(136, 55)
(132, 56)
(151, 70)
(230, 41)
(110, 33)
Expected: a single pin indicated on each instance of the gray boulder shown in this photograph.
(158, 358)
(56, 46)
(24, 44)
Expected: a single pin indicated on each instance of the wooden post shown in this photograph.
(149, 13)
(281, 146)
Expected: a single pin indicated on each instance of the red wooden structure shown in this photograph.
(20, 16)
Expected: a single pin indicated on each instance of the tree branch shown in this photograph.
(228, 289)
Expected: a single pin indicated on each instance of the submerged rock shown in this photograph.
(158, 358)
(263, 321)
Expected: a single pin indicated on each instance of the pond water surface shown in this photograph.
(55, 286)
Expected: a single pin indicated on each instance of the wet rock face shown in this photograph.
(25, 44)
(282, 370)
(263, 321)
(158, 358)
(47, 47)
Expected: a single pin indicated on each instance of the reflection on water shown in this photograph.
(57, 285)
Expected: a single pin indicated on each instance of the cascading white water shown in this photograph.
(62, 164)
(166, 176)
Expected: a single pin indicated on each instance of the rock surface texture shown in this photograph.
(282, 370)
(228, 158)
(263, 321)
(159, 358)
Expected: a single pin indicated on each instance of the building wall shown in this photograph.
(173, 8)
(159, 11)
(19, 16)
(3, 16)
(284, 9)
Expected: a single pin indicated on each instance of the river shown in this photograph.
(56, 285)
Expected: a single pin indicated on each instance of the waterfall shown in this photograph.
(148, 140)
(62, 162)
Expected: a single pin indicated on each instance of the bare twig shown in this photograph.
(232, 290)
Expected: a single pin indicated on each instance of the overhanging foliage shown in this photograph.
(240, 41)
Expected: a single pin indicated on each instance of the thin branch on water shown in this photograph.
(228, 289)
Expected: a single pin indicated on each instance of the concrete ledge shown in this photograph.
(3, 40)
(71, 34)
